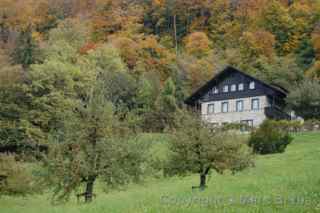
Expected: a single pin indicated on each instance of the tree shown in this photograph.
(305, 99)
(101, 147)
(255, 44)
(95, 150)
(166, 106)
(12, 107)
(198, 149)
(26, 51)
(197, 44)
(269, 138)
(277, 20)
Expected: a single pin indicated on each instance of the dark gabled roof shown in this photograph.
(229, 69)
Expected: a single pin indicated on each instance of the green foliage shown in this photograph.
(15, 177)
(12, 103)
(270, 138)
(166, 106)
(305, 99)
(277, 20)
(198, 149)
(27, 50)
(101, 147)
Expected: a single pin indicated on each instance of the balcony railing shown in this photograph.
(276, 113)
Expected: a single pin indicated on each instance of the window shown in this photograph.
(239, 106)
(246, 125)
(224, 107)
(241, 87)
(255, 104)
(215, 90)
(252, 85)
(226, 88)
(210, 109)
(233, 88)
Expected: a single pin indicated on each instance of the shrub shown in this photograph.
(311, 125)
(269, 138)
(15, 177)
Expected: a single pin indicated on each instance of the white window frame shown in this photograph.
(233, 88)
(241, 86)
(252, 85)
(253, 107)
(209, 112)
(242, 105)
(226, 88)
(225, 103)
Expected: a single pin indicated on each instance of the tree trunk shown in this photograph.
(175, 33)
(89, 189)
(203, 178)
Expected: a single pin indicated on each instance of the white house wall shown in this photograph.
(232, 116)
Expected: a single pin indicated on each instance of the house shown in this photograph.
(233, 96)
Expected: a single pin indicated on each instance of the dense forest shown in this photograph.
(113, 68)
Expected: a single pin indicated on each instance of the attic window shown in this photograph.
(215, 90)
(226, 88)
(233, 88)
(241, 87)
(252, 85)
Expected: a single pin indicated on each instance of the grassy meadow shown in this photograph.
(288, 182)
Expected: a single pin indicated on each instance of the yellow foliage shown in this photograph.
(258, 43)
(314, 71)
(316, 42)
(197, 44)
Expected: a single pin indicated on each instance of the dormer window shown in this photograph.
(215, 90)
(252, 85)
(241, 87)
(233, 88)
(226, 88)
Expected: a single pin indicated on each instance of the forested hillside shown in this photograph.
(82, 80)
(154, 52)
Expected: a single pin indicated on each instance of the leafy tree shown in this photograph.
(166, 106)
(305, 54)
(270, 138)
(305, 99)
(101, 146)
(11, 103)
(256, 44)
(277, 20)
(197, 44)
(195, 148)
(314, 71)
(95, 150)
(226, 34)
(26, 51)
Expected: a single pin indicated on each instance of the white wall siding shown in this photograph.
(232, 116)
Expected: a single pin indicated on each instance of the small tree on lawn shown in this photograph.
(93, 142)
(91, 147)
(195, 148)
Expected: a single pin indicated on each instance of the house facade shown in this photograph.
(233, 96)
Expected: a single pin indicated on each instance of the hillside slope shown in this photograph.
(288, 182)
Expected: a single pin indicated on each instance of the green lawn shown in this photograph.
(288, 182)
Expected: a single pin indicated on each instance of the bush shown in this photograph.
(311, 125)
(269, 138)
(15, 177)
